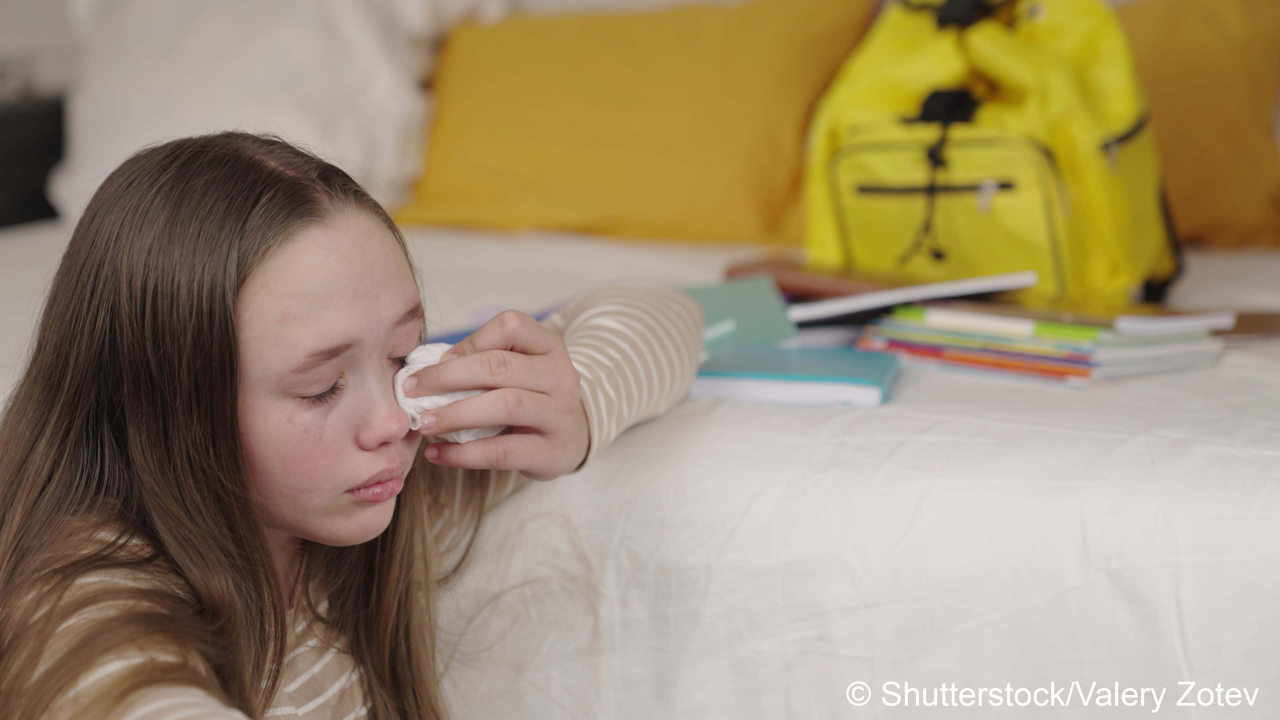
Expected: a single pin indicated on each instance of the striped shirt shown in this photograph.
(636, 350)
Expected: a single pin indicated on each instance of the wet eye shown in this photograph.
(401, 361)
(327, 395)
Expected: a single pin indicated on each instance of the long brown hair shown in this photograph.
(126, 419)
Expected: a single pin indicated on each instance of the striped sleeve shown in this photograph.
(162, 701)
(154, 702)
(636, 350)
(171, 702)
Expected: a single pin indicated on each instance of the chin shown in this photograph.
(356, 528)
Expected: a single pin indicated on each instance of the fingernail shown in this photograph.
(451, 354)
(427, 421)
(433, 452)
(410, 383)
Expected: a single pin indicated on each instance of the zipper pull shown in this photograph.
(986, 193)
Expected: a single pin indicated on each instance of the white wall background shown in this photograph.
(36, 39)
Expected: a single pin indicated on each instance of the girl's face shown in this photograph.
(324, 324)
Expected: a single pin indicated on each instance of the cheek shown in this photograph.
(289, 462)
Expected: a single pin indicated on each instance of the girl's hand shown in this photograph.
(535, 390)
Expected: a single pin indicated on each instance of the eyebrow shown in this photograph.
(320, 357)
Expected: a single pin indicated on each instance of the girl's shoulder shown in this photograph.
(95, 555)
(107, 604)
(101, 573)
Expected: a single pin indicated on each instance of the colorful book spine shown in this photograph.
(980, 360)
(965, 321)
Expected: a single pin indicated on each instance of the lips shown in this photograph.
(388, 474)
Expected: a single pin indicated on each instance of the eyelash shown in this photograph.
(336, 388)
(327, 395)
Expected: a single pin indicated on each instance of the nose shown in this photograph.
(385, 421)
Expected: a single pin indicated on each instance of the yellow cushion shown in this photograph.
(686, 123)
(1211, 71)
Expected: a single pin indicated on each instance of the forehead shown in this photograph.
(343, 278)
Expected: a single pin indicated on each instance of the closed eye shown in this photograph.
(327, 395)
(336, 388)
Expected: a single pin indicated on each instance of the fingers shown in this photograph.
(506, 406)
(486, 370)
(504, 352)
(528, 453)
(510, 330)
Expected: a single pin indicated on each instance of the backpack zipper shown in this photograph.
(916, 189)
(1053, 184)
(985, 190)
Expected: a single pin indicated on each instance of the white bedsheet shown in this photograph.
(735, 561)
(727, 560)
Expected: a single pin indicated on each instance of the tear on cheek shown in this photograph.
(309, 424)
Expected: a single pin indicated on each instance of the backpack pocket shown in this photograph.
(923, 209)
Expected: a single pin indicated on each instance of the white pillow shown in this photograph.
(337, 76)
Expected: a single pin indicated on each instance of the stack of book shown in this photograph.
(1066, 348)
(777, 333)
(745, 354)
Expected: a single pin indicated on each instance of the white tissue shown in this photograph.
(426, 356)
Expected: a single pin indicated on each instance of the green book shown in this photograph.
(743, 312)
(819, 377)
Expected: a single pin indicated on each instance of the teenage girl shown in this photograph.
(211, 504)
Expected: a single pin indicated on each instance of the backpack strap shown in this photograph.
(943, 107)
(1154, 291)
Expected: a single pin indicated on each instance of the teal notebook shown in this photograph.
(798, 376)
(741, 312)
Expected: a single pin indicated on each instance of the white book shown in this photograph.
(863, 302)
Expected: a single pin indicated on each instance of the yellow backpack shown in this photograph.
(968, 138)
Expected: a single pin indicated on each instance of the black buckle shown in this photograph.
(962, 13)
(949, 106)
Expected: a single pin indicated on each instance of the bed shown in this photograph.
(729, 560)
